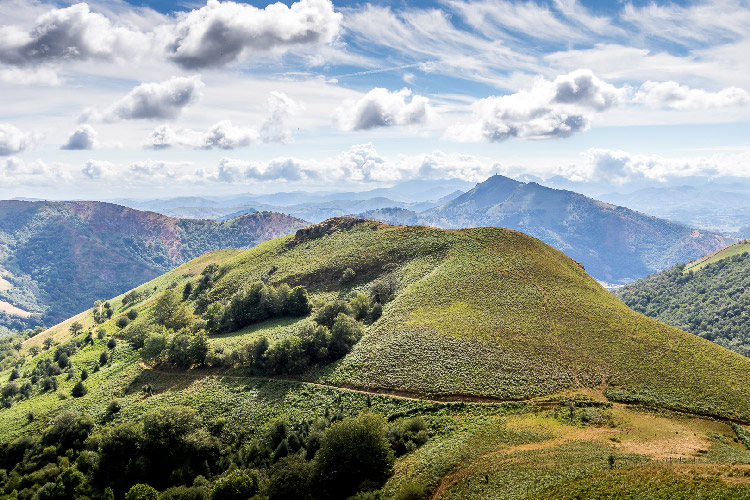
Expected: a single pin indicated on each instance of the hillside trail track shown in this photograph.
(486, 400)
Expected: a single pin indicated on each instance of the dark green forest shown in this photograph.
(713, 303)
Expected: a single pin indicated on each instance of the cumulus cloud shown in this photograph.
(98, 169)
(84, 137)
(71, 33)
(673, 95)
(619, 167)
(381, 108)
(225, 135)
(279, 169)
(13, 140)
(17, 172)
(151, 101)
(222, 32)
(550, 109)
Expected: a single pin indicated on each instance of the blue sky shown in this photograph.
(111, 98)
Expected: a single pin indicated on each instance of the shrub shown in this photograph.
(142, 492)
(327, 314)
(348, 275)
(101, 332)
(103, 358)
(62, 360)
(237, 485)
(353, 453)
(289, 479)
(344, 334)
(122, 322)
(132, 314)
(153, 347)
(79, 390)
(112, 343)
(84, 374)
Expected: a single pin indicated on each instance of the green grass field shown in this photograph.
(734, 249)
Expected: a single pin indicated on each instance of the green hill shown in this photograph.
(56, 258)
(709, 297)
(502, 370)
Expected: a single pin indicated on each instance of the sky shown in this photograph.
(154, 98)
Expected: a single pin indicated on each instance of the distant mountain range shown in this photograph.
(417, 195)
(56, 258)
(615, 244)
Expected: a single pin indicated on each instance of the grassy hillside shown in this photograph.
(736, 249)
(527, 378)
(615, 244)
(56, 258)
(709, 297)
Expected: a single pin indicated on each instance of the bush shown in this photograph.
(142, 492)
(153, 347)
(289, 479)
(62, 360)
(348, 275)
(112, 343)
(344, 334)
(103, 358)
(79, 390)
(354, 453)
(132, 314)
(237, 485)
(122, 322)
(327, 314)
(84, 374)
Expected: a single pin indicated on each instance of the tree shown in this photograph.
(142, 492)
(14, 375)
(298, 303)
(34, 350)
(84, 374)
(327, 314)
(237, 485)
(360, 305)
(289, 479)
(132, 314)
(122, 322)
(353, 453)
(79, 390)
(171, 312)
(62, 360)
(344, 334)
(153, 347)
(75, 328)
(103, 358)
(178, 351)
(199, 349)
(48, 342)
(112, 343)
(101, 332)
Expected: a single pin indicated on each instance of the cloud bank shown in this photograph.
(14, 141)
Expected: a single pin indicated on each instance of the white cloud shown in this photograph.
(620, 167)
(13, 140)
(676, 96)
(16, 172)
(223, 32)
(68, 34)
(98, 169)
(151, 101)
(84, 137)
(225, 135)
(30, 76)
(381, 108)
(550, 109)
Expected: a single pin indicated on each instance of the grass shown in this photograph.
(734, 249)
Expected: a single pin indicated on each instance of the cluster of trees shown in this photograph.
(172, 453)
(102, 311)
(327, 336)
(713, 303)
(257, 302)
